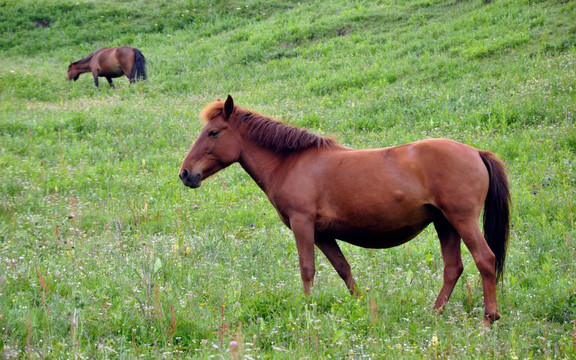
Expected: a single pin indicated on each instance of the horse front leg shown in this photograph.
(110, 81)
(95, 75)
(303, 229)
(332, 251)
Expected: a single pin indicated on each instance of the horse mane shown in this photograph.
(270, 133)
(83, 60)
(87, 58)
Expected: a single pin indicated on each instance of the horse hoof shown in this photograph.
(490, 319)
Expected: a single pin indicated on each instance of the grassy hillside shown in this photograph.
(105, 254)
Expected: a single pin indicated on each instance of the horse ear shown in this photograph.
(229, 106)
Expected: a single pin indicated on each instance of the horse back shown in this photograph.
(442, 173)
(391, 192)
(425, 168)
(111, 61)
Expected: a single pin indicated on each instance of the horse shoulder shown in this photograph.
(96, 54)
(95, 62)
(295, 186)
(99, 52)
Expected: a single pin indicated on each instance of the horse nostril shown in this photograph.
(184, 173)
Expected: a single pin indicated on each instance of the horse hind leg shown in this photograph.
(485, 262)
(129, 72)
(452, 257)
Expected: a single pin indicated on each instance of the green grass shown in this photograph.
(105, 254)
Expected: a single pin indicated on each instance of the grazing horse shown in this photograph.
(111, 63)
(376, 198)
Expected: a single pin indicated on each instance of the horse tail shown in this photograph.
(497, 210)
(139, 68)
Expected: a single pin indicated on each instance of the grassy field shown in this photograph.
(105, 254)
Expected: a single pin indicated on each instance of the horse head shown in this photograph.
(216, 147)
(73, 72)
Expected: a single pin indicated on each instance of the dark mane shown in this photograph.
(87, 58)
(270, 133)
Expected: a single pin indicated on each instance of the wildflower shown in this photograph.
(234, 349)
(435, 340)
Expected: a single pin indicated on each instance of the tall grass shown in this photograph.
(106, 255)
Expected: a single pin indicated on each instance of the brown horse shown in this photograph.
(375, 198)
(111, 63)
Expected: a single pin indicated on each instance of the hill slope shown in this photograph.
(105, 253)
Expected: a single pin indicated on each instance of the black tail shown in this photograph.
(497, 210)
(139, 68)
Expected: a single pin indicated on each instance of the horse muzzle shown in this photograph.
(192, 180)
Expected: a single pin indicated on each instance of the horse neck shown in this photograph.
(269, 147)
(262, 164)
(83, 65)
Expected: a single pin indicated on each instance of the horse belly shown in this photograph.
(372, 238)
(112, 71)
(376, 227)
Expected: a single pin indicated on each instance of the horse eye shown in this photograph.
(213, 133)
